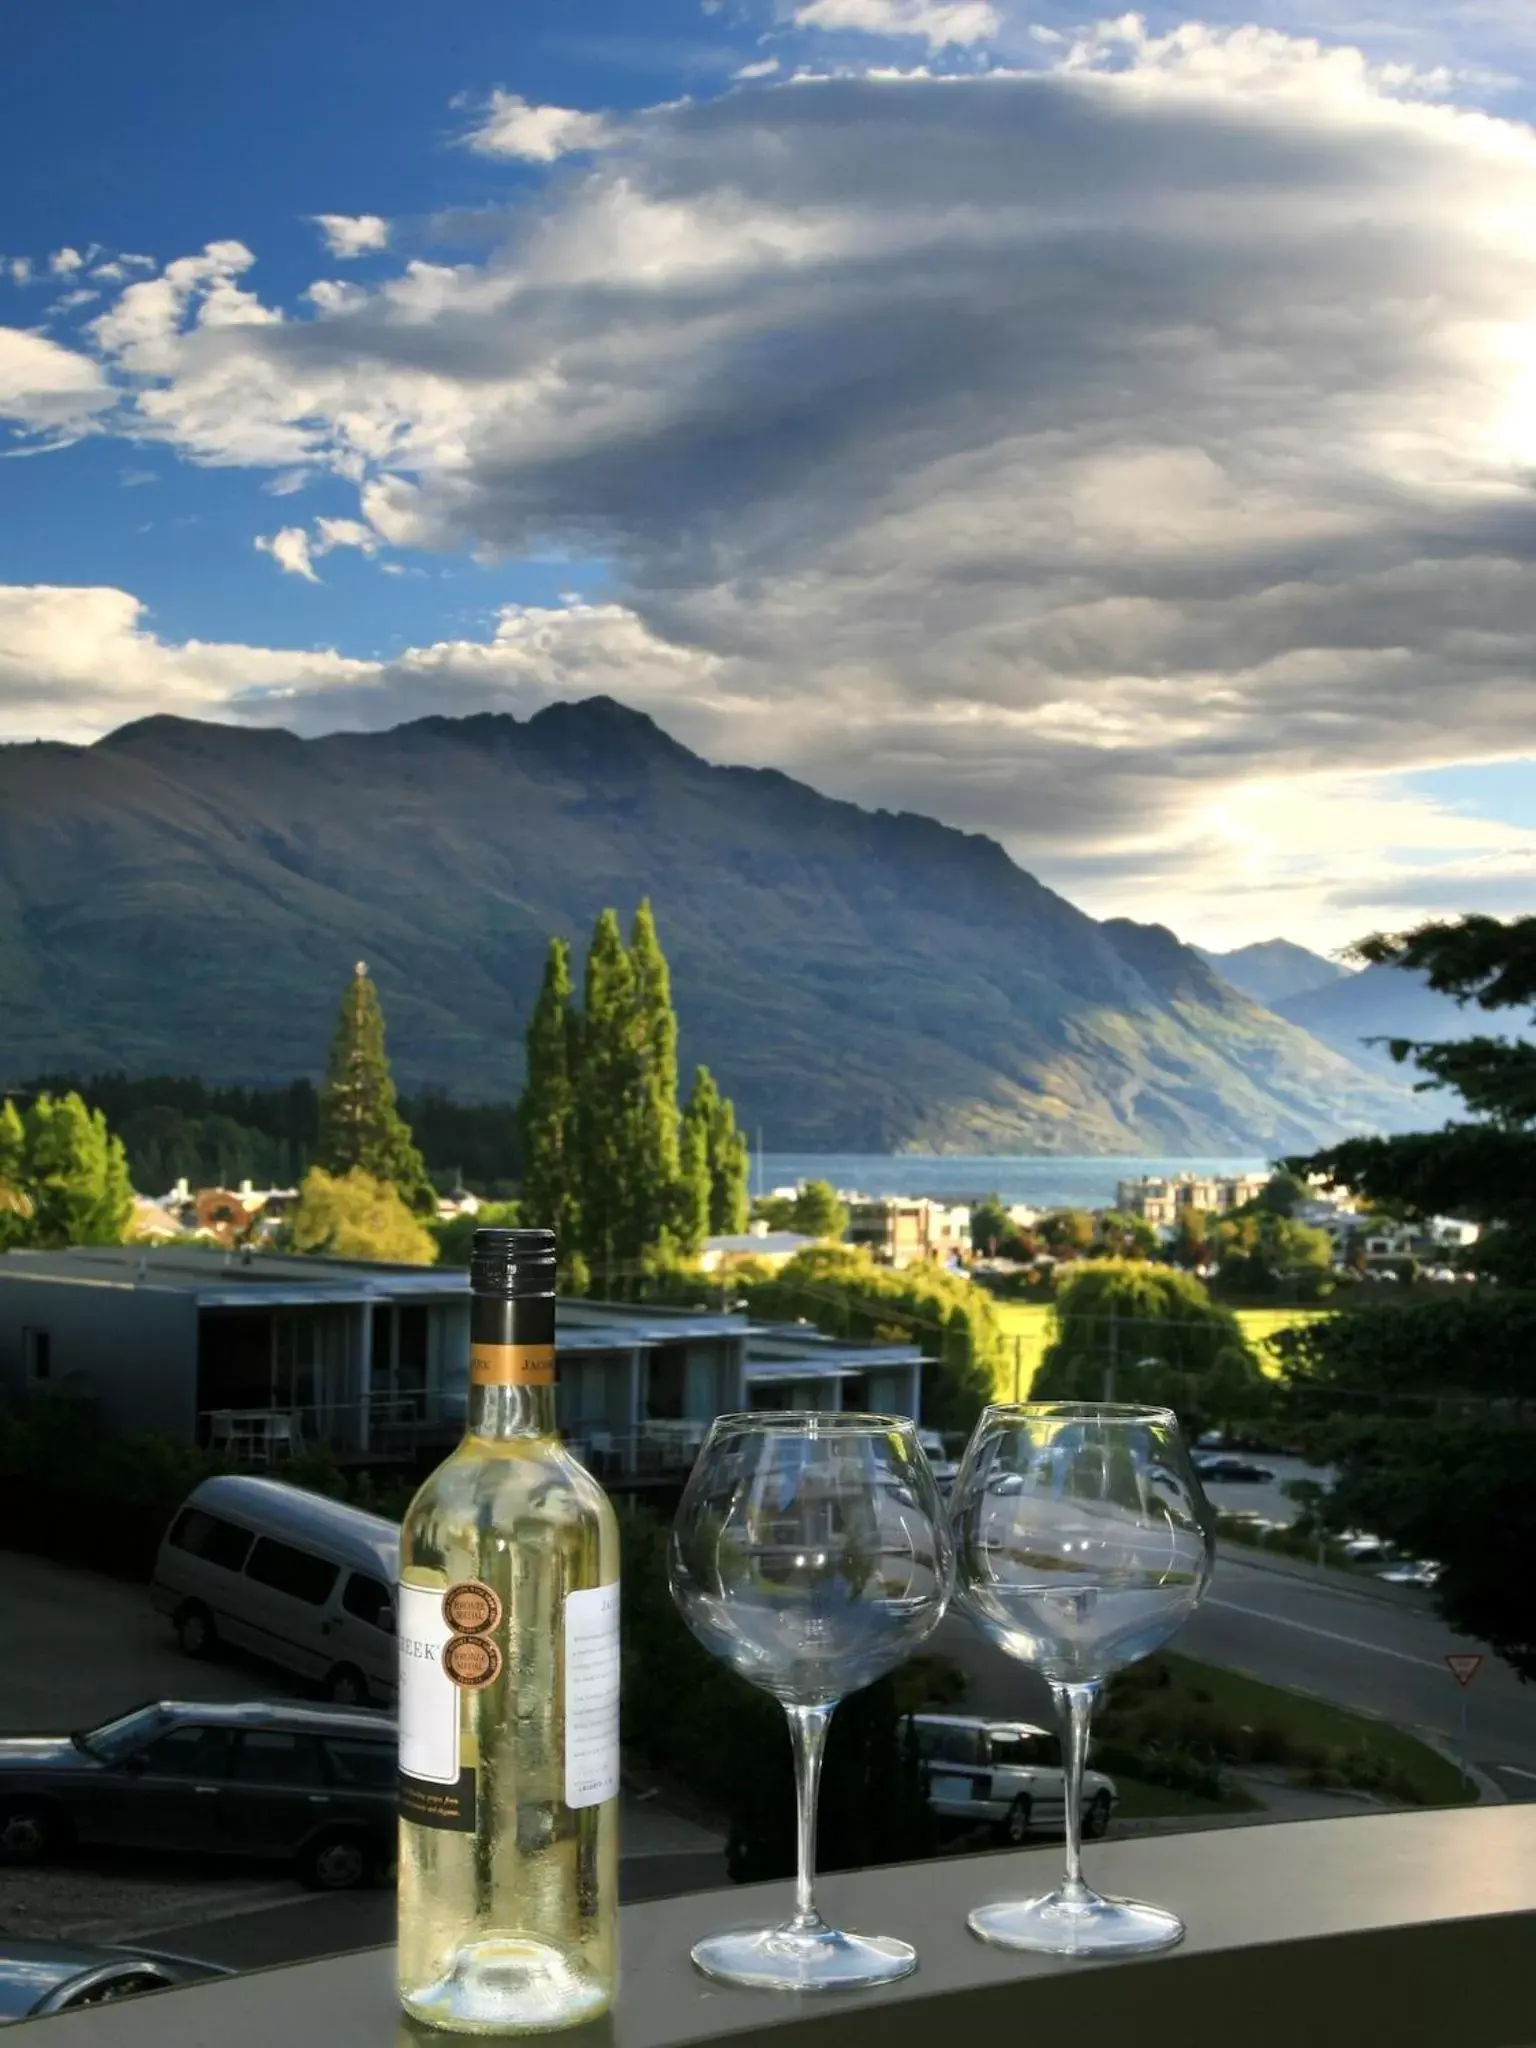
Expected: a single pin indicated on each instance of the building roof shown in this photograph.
(761, 1242)
(218, 1279)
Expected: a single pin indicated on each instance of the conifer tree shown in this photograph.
(652, 1136)
(605, 1100)
(360, 1122)
(546, 1113)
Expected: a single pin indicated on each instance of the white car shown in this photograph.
(944, 1466)
(1003, 1774)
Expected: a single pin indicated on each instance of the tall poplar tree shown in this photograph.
(652, 1136)
(726, 1163)
(360, 1122)
(546, 1112)
(604, 1119)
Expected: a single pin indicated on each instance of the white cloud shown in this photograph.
(938, 22)
(44, 386)
(348, 234)
(110, 273)
(76, 662)
(1049, 452)
(65, 262)
(70, 302)
(289, 548)
(764, 68)
(515, 127)
(20, 268)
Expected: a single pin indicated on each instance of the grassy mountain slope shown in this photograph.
(191, 897)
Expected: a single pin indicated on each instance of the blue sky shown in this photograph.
(1113, 434)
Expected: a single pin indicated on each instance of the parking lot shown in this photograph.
(85, 1648)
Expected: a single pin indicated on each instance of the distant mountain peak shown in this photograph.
(163, 731)
(602, 727)
(1271, 971)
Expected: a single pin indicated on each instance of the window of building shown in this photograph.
(666, 1374)
(276, 1756)
(297, 1573)
(211, 1538)
(369, 1599)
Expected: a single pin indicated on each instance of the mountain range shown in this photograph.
(186, 897)
(1271, 970)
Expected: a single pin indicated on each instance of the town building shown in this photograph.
(1162, 1199)
(908, 1230)
(259, 1355)
(757, 1245)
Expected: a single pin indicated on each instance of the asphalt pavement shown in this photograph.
(1380, 1651)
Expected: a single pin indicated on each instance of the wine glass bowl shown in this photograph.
(1084, 1542)
(811, 1553)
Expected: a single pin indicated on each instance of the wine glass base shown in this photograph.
(1078, 1923)
(803, 1959)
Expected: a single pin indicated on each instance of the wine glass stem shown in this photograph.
(1074, 1706)
(808, 1735)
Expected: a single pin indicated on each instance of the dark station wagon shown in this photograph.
(313, 1787)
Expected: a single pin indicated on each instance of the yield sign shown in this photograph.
(1464, 1665)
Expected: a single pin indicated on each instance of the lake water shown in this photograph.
(1043, 1182)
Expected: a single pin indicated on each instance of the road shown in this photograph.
(1320, 1632)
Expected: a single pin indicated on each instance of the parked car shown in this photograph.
(1423, 1571)
(1004, 1774)
(42, 1977)
(310, 1786)
(1232, 1471)
(944, 1466)
(296, 1578)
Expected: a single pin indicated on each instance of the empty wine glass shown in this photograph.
(1083, 1542)
(810, 1552)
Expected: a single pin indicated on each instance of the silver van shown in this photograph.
(299, 1580)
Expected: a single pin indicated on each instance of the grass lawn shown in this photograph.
(1435, 1780)
(1026, 1327)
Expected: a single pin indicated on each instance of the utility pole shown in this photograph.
(1017, 1366)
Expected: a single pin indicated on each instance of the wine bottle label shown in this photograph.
(435, 1790)
(592, 1696)
(512, 1365)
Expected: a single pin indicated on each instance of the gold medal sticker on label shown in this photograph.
(471, 1608)
(512, 1365)
(471, 1661)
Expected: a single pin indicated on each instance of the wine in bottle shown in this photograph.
(509, 1689)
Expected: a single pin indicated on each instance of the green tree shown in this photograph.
(729, 1164)
(1069, 1233)
(1262, 1252)
(360, 1122)
(1191, 1244)
(1140, 1332)
(604, 1118)
(353, 1215)
(1482, 1168)
(68, 1175)
(653, 1136)
(692, 1215)
(818, 1212)
(547, 1111)
(1117, 1236)
(453, 1235)
(1424, 1410)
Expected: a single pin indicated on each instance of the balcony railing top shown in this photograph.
(1400, 1929)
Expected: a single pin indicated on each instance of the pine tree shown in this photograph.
(652, 1136)
(605, 1099)
(546, 1113)
(360, 1124)
(74, 1175)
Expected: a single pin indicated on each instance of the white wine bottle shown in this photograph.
(509, 1691)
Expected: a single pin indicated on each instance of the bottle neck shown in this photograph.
(511, 1366)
